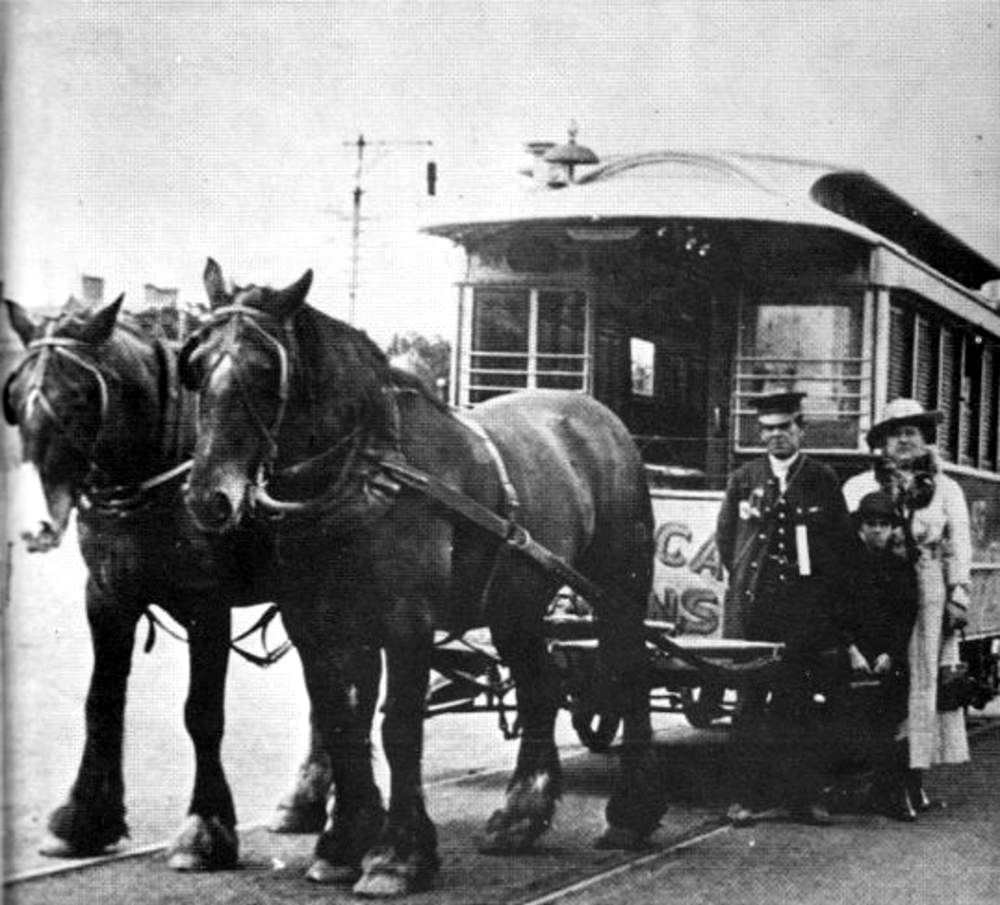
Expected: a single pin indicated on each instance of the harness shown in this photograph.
(390, 472)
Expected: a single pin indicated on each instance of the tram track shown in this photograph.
(694, 835)
(553, 890)
(154, 848)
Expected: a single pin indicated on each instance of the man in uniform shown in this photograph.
(783, 535)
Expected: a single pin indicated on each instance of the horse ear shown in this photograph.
(98, 328)
(287, 300)
(215, 285)
(9, 412)
(21, 321)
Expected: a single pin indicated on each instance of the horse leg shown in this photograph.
(343, 692)
(405, 859)
(208, 839)
(303, 809)
(636, 804)
(93, 817)
(535, 785)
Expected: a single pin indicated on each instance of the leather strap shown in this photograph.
(518, 538)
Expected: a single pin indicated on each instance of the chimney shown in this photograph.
(93, 290)
(159, 298)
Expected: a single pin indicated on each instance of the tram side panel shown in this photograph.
(688, 579)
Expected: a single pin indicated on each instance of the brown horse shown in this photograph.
(301, 417)
(108, 430)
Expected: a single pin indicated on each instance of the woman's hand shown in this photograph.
(858, 661)
(956, 610)
(883, 664)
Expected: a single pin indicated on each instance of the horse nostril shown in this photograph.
(218, 508)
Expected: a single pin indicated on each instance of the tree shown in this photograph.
(429, 359)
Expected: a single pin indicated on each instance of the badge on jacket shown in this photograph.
(750, 508)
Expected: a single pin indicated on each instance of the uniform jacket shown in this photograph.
(755, 524)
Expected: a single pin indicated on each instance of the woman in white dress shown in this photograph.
(936, 520)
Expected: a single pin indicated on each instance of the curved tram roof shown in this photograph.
(726, 186)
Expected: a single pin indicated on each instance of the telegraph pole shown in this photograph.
(361, 143)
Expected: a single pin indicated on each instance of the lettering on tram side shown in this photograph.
(688, 578)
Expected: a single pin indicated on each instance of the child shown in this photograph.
(882, 610)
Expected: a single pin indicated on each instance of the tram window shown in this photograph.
(814, 346)
(498, 357)
(642, 354)
(561, 337)
(526, 338)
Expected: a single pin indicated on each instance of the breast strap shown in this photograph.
(513, 503)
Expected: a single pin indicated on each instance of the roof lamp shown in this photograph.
(570, 155)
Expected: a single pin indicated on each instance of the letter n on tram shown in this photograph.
(678, 288)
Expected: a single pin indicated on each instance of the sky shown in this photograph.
(140, 138)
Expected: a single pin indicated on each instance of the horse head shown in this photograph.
(275, 378)
(65, 397)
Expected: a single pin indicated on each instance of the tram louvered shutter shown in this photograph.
(900, 353)
(925, 369)
(988, 404)
(948, 395)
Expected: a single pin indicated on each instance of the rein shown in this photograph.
(518, 539)
(269, 658)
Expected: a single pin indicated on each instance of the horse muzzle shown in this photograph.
(216, 510)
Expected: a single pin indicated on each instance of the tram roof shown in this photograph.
(722, 186)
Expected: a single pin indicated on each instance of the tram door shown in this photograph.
(675, 390)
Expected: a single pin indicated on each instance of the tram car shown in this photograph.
(678, 288)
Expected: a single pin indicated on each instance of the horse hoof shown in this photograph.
(385, 874)
(54, 847)
(203, 845)
(618, 837)
(304, 819)
(508, 835)
(323, 871)
(389, 885)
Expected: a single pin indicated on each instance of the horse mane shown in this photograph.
(344, 362)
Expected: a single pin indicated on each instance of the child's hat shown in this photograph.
(877, 504)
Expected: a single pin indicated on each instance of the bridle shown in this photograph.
(40, 352)
(348, 450)
(117, 499)
(241, 314)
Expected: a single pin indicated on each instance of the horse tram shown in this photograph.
(678, 288)
(671, 290)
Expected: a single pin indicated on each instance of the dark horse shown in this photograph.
(108, 430)
(301, 416)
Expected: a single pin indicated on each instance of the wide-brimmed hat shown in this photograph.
(902, 412)
(777, 408)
